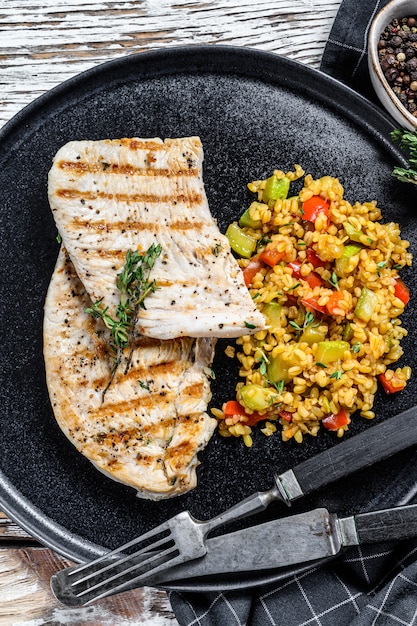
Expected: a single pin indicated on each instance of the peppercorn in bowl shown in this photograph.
(392, 60)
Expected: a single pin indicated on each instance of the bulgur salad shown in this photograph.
(325, 274)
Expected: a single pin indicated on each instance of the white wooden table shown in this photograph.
(44, 42)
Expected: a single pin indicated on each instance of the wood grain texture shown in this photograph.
(44, 42)
(11, 532)
(25, 597)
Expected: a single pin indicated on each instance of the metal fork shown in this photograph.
(182, 538)
(179, 539)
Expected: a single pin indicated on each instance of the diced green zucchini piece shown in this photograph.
(312, 334)
(347, 334)
(366, 304)
(356, 235)
(278, 368)
(246, 219)
(330, 351)
(345, 264)
(275, 189)
(255, 397)
(272, 312)
(242, 243)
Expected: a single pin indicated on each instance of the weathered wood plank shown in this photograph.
(9, 531)
(25, 595)
(44, 43)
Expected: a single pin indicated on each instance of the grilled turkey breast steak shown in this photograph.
(113, 195)
(152, 422)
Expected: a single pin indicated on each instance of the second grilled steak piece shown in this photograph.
(152, 422)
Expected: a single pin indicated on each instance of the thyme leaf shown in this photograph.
(279, 386)
(337, 374)
(334, 281)
(380, 266)
(308, 320)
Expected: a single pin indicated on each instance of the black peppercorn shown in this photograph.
(411, 65)
(391, 74)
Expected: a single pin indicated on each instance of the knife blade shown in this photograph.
(302, 539)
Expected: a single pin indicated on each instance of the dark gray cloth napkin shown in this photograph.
(366, 586)
(345, 55)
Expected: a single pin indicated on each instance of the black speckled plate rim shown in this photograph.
(267, 68)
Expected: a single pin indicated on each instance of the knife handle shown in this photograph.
(374, 444)
(387, 525)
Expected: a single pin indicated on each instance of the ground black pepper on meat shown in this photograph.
(397, 50)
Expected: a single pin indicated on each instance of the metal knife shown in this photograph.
(302, 539)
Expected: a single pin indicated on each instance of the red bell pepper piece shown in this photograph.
(271, 256)
(401, 291)
(312, 208)
(286, 415)
(311, 303)
(250, 271)
(333, 302)
(393, 385)
(254, 418)
(334, 421)
(313, 279)
(233, 407)
(314, 258)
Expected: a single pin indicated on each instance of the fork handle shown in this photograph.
(372, 445)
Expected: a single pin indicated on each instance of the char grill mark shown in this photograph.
(82, 167)
(75, 194)
(101, 225)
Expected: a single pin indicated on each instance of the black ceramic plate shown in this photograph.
(254, 112)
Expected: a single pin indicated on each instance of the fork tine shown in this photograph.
(179, 538)
(115, 564)
(132, 583)
(134, 542)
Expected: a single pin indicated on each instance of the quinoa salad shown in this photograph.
(325, 274)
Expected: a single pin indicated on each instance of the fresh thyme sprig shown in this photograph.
(308, 320)
(334, 281)
(407, 140)
(134, 285)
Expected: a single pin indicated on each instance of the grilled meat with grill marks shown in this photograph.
(110, 196)
(152, 422)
